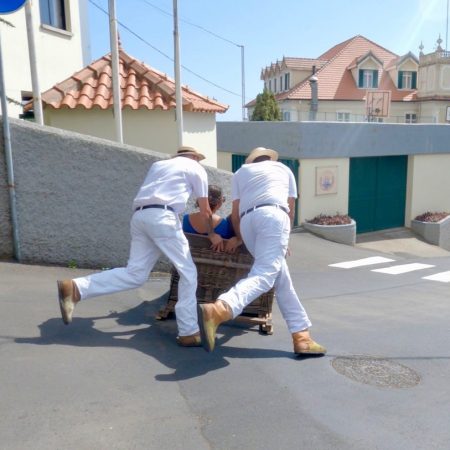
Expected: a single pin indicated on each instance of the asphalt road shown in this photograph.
(115, 378)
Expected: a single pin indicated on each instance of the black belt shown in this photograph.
(260, 206)
(155, 206)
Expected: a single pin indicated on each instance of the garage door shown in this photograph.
(377, 192)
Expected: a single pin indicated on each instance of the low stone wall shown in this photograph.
(74, 196)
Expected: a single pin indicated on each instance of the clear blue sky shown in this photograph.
(268, 30)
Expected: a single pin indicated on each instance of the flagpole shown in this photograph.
(178, 95)
(114, 43)
(37, 101)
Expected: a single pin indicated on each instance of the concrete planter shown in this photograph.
(437, 233)
(343, 234)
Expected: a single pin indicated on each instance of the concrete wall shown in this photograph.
(317, 144)
(59, 52)
(156, 130)
(74, 196)
(428, 187)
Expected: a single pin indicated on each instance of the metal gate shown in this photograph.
(377, 192)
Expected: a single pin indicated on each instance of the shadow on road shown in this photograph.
(152, 337)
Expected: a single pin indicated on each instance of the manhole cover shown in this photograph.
(376, 371)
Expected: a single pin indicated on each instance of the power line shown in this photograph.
(125, 27)
(192, 24)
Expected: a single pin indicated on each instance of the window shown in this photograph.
(343, 116)
(53, 13)
(410, 118)
(287, 116)
(286, 81)
(274, 85)
(368, 78)
(407, 79)
(270, 85)
(26, 98)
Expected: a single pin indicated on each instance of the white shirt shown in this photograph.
(171, 182)
(263, 182)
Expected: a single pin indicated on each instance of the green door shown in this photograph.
(377, 192)
(293, 164)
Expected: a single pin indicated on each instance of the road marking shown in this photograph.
(362, 262)
(444, 277)
(403, 268)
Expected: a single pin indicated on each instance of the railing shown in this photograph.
(331, 117)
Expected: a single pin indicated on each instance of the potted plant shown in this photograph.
(433, 227)
(338, 228)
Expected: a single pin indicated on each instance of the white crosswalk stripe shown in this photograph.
(362, 262)
(403, 268)
(443, 277)
(393, 268)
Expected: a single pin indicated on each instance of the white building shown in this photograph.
(62, 46)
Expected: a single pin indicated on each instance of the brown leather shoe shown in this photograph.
(68, 296)
(210, 316)
(193, 340)
(304, 345)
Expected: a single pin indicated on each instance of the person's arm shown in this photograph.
(235, 241)
(291, 204)
(206, 213)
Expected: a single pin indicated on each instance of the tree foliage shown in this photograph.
(266, 107)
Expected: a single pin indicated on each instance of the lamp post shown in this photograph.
(314, 106)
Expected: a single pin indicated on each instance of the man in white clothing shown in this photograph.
(263, 194)
(156, 229)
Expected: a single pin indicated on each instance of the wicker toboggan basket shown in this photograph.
(217, 272)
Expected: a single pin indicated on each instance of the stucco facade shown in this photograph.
(155, 130)
(58, 51)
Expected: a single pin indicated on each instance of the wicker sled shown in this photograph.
(216, 273)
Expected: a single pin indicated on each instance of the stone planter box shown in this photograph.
(437, 233)
(343, 234)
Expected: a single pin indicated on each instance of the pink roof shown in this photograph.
(142, 87)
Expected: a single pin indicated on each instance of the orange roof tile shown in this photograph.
(142, 87)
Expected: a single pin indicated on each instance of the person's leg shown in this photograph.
(143, 256)
(295, 315)
(262, 233)
(176, 247)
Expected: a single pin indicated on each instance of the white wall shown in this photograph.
(154, 130)
(311, 204)
(59, 53)
(428, 185)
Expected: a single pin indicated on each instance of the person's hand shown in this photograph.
(288, 252)
(232, 244)
(216, 242)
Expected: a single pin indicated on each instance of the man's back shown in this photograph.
(263, 182)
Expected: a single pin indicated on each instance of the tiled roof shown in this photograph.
(335, 80)
(142, 87)
(294, 64)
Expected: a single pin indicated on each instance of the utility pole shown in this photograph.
(114, 43)
(178, 94)
(37, 101)
(243, 81)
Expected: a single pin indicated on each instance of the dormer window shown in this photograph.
(407, 79)
(368, 78)
(286, 81)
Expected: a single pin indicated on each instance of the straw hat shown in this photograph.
(189, 151)
(261, 151)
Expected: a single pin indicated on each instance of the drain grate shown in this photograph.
(375, 371)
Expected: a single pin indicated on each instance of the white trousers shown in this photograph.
(265, 232)
(153, 232)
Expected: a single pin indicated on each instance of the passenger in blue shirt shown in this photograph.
(195, 223)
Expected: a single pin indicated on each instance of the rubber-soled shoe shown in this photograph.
(304, 345)
(210, 316)
(193, 340)
(66, 299)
